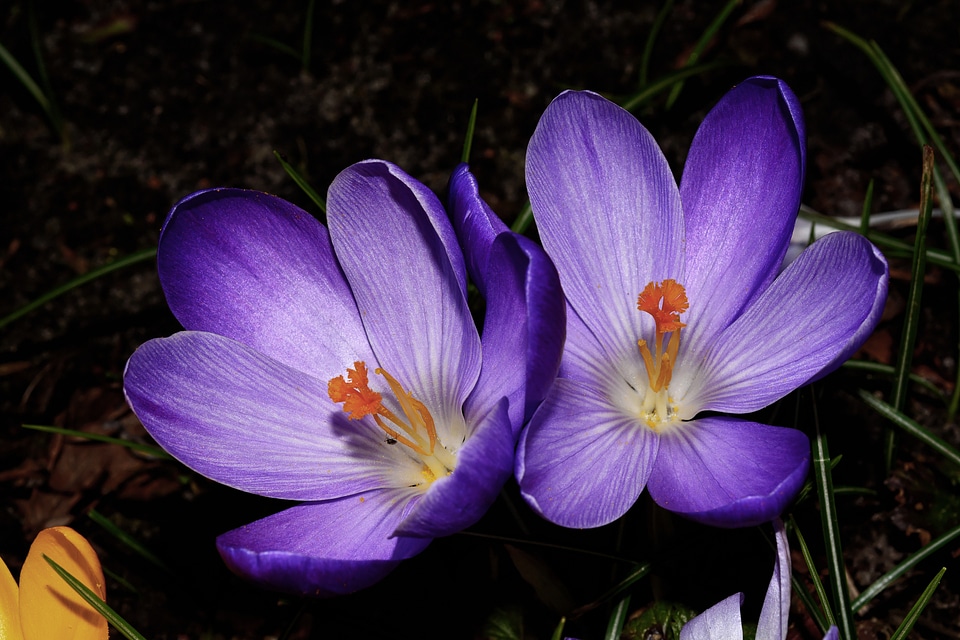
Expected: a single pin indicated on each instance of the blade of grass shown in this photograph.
(53, 111)
(94, 600)
(558, 632)
(301, 182)
(660, 85)
(907, 625)
(305, 50)
(904, 567)
(617, 619)
(139, 256)
(705, 38)
(865, 212)
(824, 615)
(908, 337)
(637, 574)
(912, 427)
(831, 535)
(32, 87)
(523, 219)
(651, 40)
(129, 541)
(468, 139)
(148, 449)
(888, 370)
(273, 43)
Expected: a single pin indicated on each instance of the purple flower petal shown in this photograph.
(581, 462)
(833, 633)
(523, 330)
(728, 472)
(260, 270)
(776, 605)
(741, 191)
(719, 622)
(459, 500)
(813, 317)
(250, 422)
(322, 548)
(476, 224)
(400, 256)
(608, 212)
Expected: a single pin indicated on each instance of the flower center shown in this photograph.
(416, 430)
(665, 301)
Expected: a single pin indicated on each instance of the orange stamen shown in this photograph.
(665, 301)
(359, 401)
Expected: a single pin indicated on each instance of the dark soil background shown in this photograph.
(163, 98)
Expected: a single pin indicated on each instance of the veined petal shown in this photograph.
(813, 317)
(249, 422)
(719, 622)
(741, 190)
(9, 605)
(523, 330)
(260, 270)
(776, 605)
(400, 255)
(484, 463)
(323, 548)
(582, 462)
(476, 224)
(607, 209)
(49, 607)
(728, 472)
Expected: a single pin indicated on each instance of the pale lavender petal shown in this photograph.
(728, 472)
(260, 270)
(719, 622)
(476, 224)
(833, 633)
(776, 605)
(322, 548)
(247, 421)
(400, 256)
(608, 212)
(484, 463)
(741, 191)
(581, 461)
(813, 317)
(523, 330)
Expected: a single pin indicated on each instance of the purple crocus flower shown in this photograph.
(722, 620)
(343, 369)
(677, 312)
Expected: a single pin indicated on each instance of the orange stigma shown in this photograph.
(665, 301)
(359, 400)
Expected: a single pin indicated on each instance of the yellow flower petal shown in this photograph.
(9, 606)
(49, 607)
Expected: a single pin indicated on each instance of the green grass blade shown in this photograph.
(468, 139)
(934, 256)
(651, 40)
(32, 87)
(523, 220)
(708, 35)
(148, 449)
(865, 212)
(127, 540)
(912, 427)
(824, 614)
(908, 337)
(907, 625)
(831, 537)
(102, 607)
(617, 619)
(904, 567)
(52, 111)
(273, 43)
(139, 256)
(888, 370)
(637, 574)
(558, 632)
(631, 102)
(301, 182)
(306, 50)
